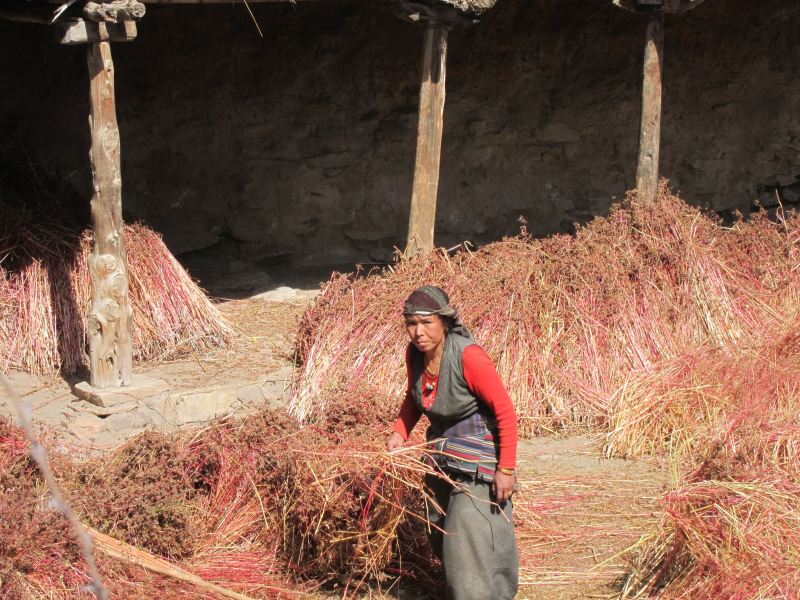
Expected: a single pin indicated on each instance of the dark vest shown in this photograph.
(462, 428)
(454, 401)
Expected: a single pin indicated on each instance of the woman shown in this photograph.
(473, 431)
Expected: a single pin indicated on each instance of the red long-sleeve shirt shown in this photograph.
(483, 381)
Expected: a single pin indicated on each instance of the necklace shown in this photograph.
(430, 372)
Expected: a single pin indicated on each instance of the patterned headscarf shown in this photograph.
(428, 300)
(432, 300)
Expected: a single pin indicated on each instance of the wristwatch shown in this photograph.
(505, 471)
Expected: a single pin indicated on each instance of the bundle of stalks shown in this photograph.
(724, 539)
(730, 528)
(567, 319)
(687, 405)
(45, 289)
(37, 550)
(263, 506)
(730, 423)
(342, 509)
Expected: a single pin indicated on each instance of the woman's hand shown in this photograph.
(503, 486)
(394, 442)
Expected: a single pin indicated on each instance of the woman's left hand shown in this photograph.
(503, 486)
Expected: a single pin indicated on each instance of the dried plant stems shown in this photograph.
(569, 320)
(39, 455)
(129, 554)
(676, 335)
(45, 287)
(723, 539)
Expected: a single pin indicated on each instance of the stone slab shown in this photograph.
(199, 407)
(285, 293)
(269, 392)
(141, 387)
(84, 407)
(111, 430)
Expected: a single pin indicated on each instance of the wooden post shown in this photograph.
(429, 141)
(110, 314)
(650, 132)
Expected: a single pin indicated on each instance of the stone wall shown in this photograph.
(301, 144)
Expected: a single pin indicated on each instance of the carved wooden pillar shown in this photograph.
(110, 314)
(650, 131)
(429, 141)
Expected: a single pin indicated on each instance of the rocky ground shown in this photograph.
(585, 509)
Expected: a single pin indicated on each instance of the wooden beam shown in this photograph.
(429, 141)
(25, 13)
(81, 31)
(427, 14)
(679, 7)
(110, 313)
(668, 7)
(650, 132)
(229, 2)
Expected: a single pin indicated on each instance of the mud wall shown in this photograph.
(300, 145)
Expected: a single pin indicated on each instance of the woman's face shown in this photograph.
(426, 332)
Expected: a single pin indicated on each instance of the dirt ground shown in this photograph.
(585, 510)
(577, 510)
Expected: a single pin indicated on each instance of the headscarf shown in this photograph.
(432, 300)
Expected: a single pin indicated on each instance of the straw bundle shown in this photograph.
(35, 546)
(260, 506)
(45, 288)
(687, 405)
(730, 528)
(724, 539)
(336, 504)
(567, 319)
(731, 424)
(677, 334)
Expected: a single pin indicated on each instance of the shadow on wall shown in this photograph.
(298, 148)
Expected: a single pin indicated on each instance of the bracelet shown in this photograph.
(505, 471)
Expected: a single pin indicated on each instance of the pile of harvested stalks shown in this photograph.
(677, 335)
(568, 319)
(732, 427)
(45, 288)
(259, 506)
(723, 539)
(692, 404)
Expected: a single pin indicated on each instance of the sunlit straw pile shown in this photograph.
(45, 288)
(39, 557)
(678, 336)
(747, 397)
(724, 539)
(568, 319)
(729, 419)
(262, 506)
(732, 426)
(731, 528)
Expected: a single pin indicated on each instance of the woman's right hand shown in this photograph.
(395, 442)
